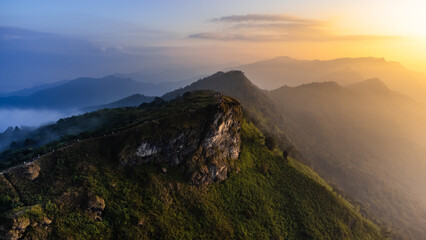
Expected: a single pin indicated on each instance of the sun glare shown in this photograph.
(406, 18)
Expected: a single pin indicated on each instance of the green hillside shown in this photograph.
(90, 189)
(365, 140)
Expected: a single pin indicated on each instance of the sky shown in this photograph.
(236, 31)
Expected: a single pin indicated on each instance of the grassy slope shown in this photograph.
(268, 199)
(360, 140)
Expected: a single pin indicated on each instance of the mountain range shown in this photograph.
(363, 139)
(130, 101)
(85, 92)
(30, 59)
(366, 140)
(192, 167)
(277, 72)
(347, 134)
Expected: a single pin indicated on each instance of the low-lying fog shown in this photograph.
(29, 117)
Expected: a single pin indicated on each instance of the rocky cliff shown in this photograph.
(204, 151)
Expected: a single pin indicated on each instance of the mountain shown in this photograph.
(373, 86)
(190, 168)
(365, 139)
(29, 91)
(130, 101)
(78, 93)
(28, 57)
(368, 141)
(274, 73)
(258, 107)
(162, 79)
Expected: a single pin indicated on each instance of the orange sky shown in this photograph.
(241, 31)
(394, 30)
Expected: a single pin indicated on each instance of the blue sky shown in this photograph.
(209, 33)
(153, 20)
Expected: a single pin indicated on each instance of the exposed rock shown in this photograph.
(204, 153)
(222, 142)
(45, 221)
(146, 150)
(32, 170)
(141, 221)
(96, 203)
(169, 149)
(95, 207)
(14, 226)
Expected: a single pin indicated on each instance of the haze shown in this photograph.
(103, 38)
(338, 85)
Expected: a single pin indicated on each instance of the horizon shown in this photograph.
(143, 36)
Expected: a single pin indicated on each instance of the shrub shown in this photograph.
(270, 143)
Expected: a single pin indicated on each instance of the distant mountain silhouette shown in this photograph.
(274, 73)
(373, 85)
(165, 81)
(31, 90)
(82, 92)
(131, 101)
(367, 140)
(29, 57)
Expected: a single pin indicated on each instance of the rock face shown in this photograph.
(204, 153)
(14, 226)
(95, 207)
(32, 170)
(222, 142)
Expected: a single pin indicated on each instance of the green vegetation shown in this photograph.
(97, 124)
(264, 197)
(270, 143)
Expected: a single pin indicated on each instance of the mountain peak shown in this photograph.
(370, 85)
(327, 84)
(221, 81)
(312, 86)
(234, 73)
(228, 79)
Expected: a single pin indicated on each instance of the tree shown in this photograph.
(285, 155)
(270, 143)
(158, 101)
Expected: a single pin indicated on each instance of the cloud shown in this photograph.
(220, 36)
(27, 117)
(265, 18)
(277, 28)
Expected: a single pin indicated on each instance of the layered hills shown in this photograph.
(275, 73)
(130, 101)
(365, 139)
(84, 92)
